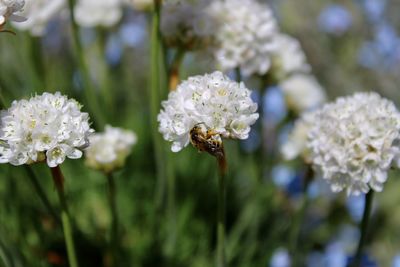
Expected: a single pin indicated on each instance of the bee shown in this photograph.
(206, 139)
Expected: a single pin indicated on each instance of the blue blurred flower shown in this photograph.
(251, 144)
(386, 39)
(396, 261)
(315, 259)
(335, 255)
(114, 50)
(280, 258)
(282, 176)
(273, 104)
(134, 32)
(355, 206)
(374, 9)
(366, 261)
(335, 19)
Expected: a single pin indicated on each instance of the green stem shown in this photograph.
(363, 228)
(114, 214)
(155, 104)
(89, 90)
(106, 92)
(221, 258)
(173, 77)
(42, 195)
(299, 217)
(238, 74)
(58, 179)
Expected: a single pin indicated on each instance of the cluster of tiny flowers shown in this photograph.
(186, 24)
(296, 143)
(92, 13)
(109, 150)
(288, 57)
(8, 8)
(245, 35)
(38, 14)
(302, 92)
(354, 141)
(222, 105)
(46, 127)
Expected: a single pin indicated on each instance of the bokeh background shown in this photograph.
(352, 45)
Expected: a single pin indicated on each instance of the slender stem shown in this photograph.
(89, 90)
(42, 195)
(238, 74)
(299, 217)
(174, 69)
(114, 213)
(363, 228)
(221, 257)
(58, 179)
(155, 104)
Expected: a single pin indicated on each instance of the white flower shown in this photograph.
(302, 92)
(38, 14)
(296, 144)
(92, 13)
(244, 36)
(8, 8)
(186, 24)
(109, 150)
(355, 141)
(222, 105)
(288, 56)
(46, 127)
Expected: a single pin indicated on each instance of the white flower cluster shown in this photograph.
(8, 8)
(186, 24)
(46, 127)
(109, 150)
(302, 92)
(92, 13)
(296, 144)
(354, 141)
(222, 105)
(38, 14)
(245, 35)
(288, 57)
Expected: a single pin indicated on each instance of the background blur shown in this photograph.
(351, 45)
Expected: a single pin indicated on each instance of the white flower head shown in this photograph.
(354, 141)
(296, 144)
(109, 150)
(213, 100)
(302, 92)
(38, 14)
(244, 36)
(288, 56)
(8, 8)
(46, 127)
(186, 24)
(92, 13)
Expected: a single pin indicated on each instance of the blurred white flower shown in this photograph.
(46, 127)
(296, 144)
(288, 56)
(8, 8)
(302, 92)
(186, 24)
(109, 150)
(222, 105)
(244, 36)
(38, 14)
(92, 13)
(354, 141)
(141, 4)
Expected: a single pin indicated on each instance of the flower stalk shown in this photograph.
(363, 228)
(174, 69)
(58, 180)
(222, 168)
(114, 214)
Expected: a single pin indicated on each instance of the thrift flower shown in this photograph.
(38, 14)
(8, 8)
(47, 127)
(109, 150)
(302, 92)
(296, 144)
(216, 105)
(186, 24)
(355, 141)
(92, 13)
(244, 35)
